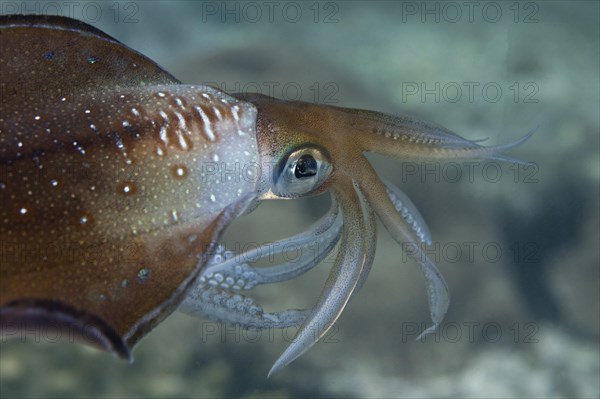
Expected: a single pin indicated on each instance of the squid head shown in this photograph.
(316, 148)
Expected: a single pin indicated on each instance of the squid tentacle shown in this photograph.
(213, 295)
(224, 306)
(353, 262)
(496, 152)
(409, 212)
(371, 228)
(403, 137)
(404, 128)
(230, 271)
(437, 291)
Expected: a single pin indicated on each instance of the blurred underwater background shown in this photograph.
(518, 245)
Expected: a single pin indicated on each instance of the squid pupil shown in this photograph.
(305, 167)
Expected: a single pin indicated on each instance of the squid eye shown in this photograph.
(306, 166)
(301, 172)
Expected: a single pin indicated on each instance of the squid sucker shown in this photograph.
(117, 182)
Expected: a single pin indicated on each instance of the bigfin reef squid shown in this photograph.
(111, 213)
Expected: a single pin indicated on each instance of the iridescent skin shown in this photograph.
(158, 169)
(106, 203)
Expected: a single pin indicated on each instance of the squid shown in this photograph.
(117, 182)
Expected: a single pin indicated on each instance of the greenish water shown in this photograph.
(518, 247)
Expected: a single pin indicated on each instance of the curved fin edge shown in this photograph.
(59, 322)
